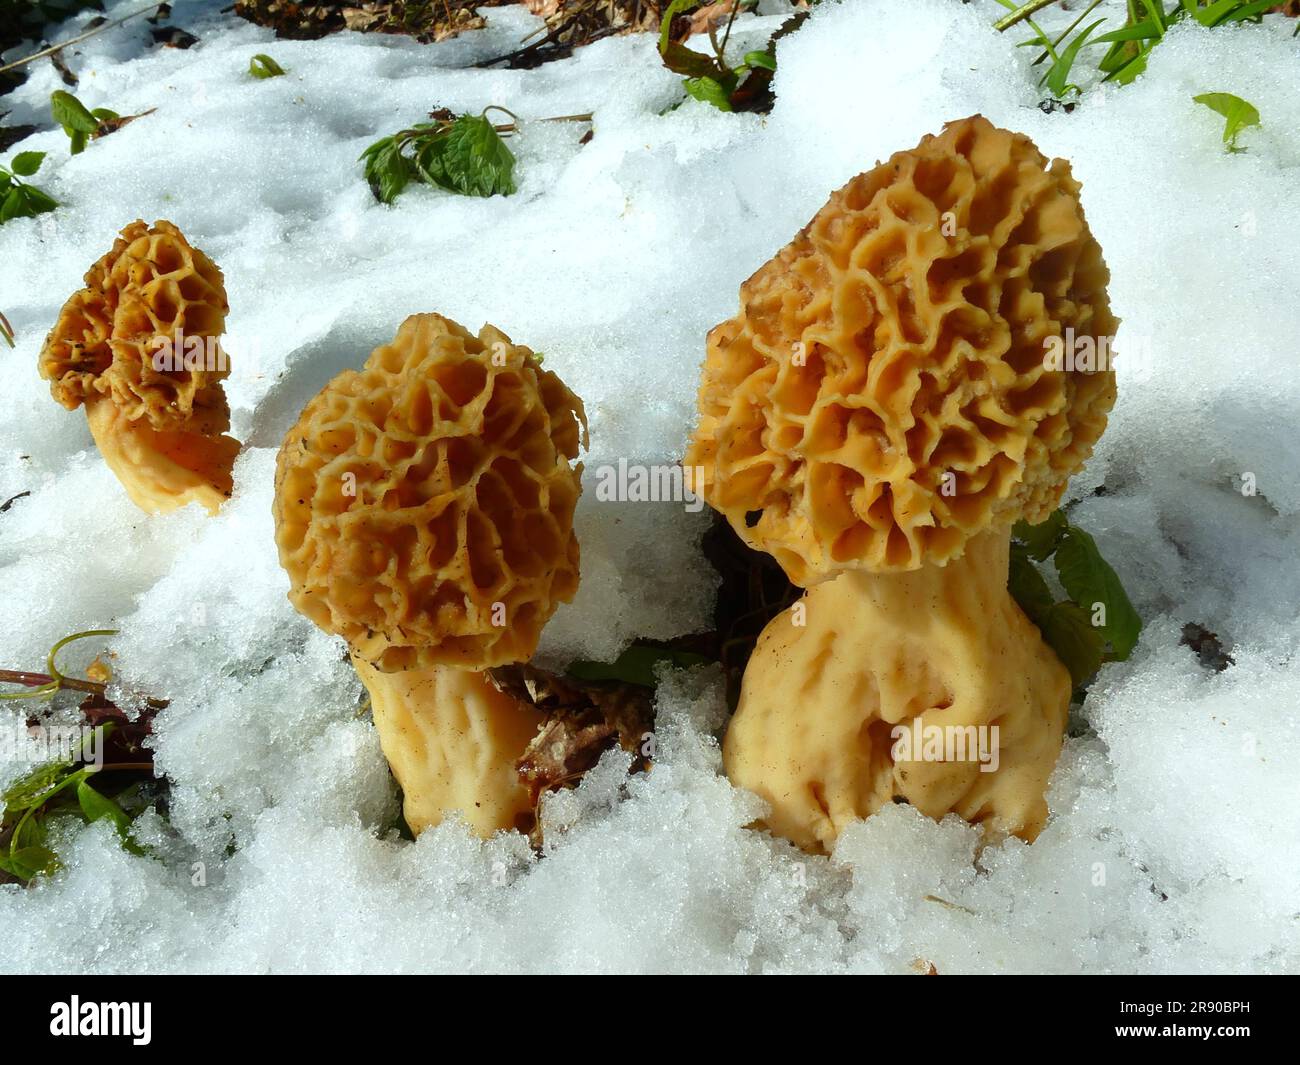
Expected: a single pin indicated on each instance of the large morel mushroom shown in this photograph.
(876, 418)
(138, 348)
(424, 512)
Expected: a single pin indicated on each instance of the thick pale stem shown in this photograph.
(841, 698)
(452, 740)
(163, 471)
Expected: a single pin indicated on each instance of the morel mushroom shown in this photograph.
(876, 418)
(424, 512)
(138, 347)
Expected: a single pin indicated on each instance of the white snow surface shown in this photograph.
(1174, 843)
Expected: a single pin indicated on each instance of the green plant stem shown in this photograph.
(1049, 50)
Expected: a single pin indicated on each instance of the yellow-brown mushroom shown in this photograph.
(424, 512)
(138, 348)
(876, 417)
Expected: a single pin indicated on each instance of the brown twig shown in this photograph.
(73, 40)
(90, 687)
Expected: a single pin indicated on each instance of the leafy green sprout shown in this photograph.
(263, 66)
(1096, 622)
(58, 788)
(1145, 25)
(712, 79)
(464, 154)
(17, 198)
(1237, 114)
(79, 123)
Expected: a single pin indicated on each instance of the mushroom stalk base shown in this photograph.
(452, 740)
(837, 715)
(163, 471)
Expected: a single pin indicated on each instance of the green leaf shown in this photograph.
(690, 63)
(25, 164)
(470, 158)
(766, 60)
(263, 66)
(636, 665)
(71, 113)
(1042, 539)
(96, 807)
(14, 205)
(37, 200)
(1127, 74)
(710, 91)
(26, 790)
(1089, 580)
(104, 114)
(1238, 114)
(1068, 631)
(1057, 78)
(1140, 31)
(387, 170)
(1251, 11)
(1028, 588)
(1156, 9)
(29, 862)
(77, 144)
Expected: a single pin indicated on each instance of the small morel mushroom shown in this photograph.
(882, 410)
(138, 348)
(424, 512)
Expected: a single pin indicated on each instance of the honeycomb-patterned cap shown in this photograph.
(152, 287)
(424, 505)
(886, 391)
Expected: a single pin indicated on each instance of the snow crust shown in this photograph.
(1173, 844)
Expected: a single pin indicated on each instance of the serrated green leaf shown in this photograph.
(1089, 580)
(71, 113)
(1068, 631)
(474, 160)
(1238, 114)
(1041, 540)
(25, 164)
(709, 90)
(263, 66)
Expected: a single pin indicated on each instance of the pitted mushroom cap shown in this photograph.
(424, 505)
(150, 287)
(883, 395)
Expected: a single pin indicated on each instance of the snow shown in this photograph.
(1173, 844)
